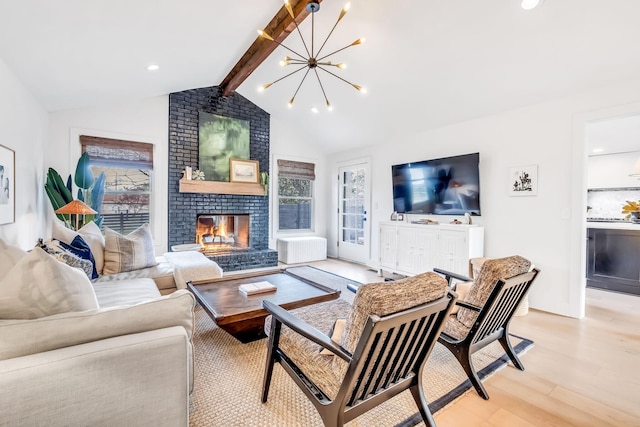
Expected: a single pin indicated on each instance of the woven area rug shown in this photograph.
(228, 381)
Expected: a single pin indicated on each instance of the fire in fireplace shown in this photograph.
(222, 232)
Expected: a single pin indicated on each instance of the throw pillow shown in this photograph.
(335, 334)
(54, 248)
(9, 256)
(89, 232)
(39, 286)
(126, 253)
(462, 289)
(81, 249)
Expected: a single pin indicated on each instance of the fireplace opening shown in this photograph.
(222, 232)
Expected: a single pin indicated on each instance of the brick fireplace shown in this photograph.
(185, 209)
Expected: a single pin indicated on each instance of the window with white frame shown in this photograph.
(295, 195)
(128, 168)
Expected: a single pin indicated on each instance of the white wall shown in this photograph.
(23, 126)
(145, 120)
(287, 144)
(547, 228)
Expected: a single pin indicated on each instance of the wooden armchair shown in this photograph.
(486, 312)
(389, 333)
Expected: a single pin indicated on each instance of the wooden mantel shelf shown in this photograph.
(216, 187)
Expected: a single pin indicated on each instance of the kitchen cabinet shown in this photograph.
(612, 259)
(411, 249)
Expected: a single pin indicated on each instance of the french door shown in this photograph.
(354, 230)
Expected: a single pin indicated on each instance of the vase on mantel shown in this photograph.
(635, 217)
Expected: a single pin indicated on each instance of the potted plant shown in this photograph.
(632, 209)
(90, 191)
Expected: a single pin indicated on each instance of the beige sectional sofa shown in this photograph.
(72, 352)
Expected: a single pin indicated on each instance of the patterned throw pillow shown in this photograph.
(81, 249)
(126, 253)
(54, 248)
(90, 233)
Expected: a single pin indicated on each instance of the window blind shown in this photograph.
(297, 170)
(108, 152)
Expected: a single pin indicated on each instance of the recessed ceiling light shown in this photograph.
(153, 67)
(597, 150)
(530, 4)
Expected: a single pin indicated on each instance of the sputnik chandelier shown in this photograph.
(312, 61)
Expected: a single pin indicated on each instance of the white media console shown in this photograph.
(409, 249)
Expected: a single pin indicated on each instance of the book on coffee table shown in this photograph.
(256, 288)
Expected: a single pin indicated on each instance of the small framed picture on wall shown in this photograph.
(242, 170)
(7, 185)
(523, 180)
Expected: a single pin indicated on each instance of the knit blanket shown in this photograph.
(192, 266)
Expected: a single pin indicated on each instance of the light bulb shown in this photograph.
(346, 7)
(530, 4)
(341, 65)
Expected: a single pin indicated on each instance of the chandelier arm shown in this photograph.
(285, 76)
(300, 85)
(302, 38)
(335, 51)
(329, 35)
(289, 49)
(337, 76)
(322, 87)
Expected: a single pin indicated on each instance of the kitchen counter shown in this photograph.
(614, 225)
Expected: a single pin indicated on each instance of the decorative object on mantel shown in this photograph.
(7, 185)
(264, 181)
(198, 175)
(467, 217)
(220, 139)
(312, 61)
(523, 180)
(241, 170)
(632, 210)
(187, 173)
(90, 191)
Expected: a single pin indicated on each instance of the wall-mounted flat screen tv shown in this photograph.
(447, 186)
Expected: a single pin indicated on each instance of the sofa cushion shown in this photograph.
(67, 329)
(130, 252)
(38, 286)
(90, 233)
(161, 273)
(9, 256)
(125, 292)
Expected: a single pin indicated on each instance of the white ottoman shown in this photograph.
(293, 250)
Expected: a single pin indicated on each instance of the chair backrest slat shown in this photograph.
(395, 348)
(417, 326)
(500, 306)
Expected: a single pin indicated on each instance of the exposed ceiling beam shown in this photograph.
(279, 28)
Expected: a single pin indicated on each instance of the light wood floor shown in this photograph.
(579, 372)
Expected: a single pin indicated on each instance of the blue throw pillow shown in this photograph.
(81, 249)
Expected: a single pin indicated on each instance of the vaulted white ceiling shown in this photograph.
(426, 63)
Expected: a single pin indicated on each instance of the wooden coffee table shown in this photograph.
(243, 316)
